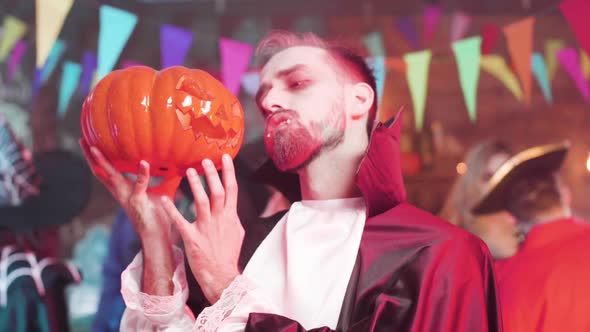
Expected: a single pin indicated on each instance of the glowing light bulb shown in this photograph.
(461, 168)
(588, 162)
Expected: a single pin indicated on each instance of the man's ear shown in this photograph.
(363, 96)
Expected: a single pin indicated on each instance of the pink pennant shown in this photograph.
(577, 13)
(431, 18)
(459, 25)
(570, 61)
(489, 34)
(130, 63)
(17, 54)
(235, 59)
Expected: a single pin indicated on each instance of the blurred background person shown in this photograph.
(498, 230)
(544, 287)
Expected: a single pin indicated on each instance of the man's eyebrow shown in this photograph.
(263, 89)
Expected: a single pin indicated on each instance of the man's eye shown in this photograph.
(298, 84)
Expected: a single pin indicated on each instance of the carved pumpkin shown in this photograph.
(172, 118)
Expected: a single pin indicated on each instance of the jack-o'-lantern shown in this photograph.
(173, 119)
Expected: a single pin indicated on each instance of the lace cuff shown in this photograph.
(157, 309)
(212, 317)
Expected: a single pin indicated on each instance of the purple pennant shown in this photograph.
(432, 15)
(570, 61)
(17, 54)
(88, 68)
(130, 63)
(174, 43)
(406, 27)
(36, 82)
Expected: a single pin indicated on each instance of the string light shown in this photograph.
(588, 162)
(461, 168)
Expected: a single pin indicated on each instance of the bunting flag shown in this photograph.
(585, 64)
(251, 29)
(115, 28)
(540, 73)
(490, 34)
(251, 82)
(13, 30)
(405, 25)
(58, 49)
(377, 64)
(88, 69)
(459, 25)
(432, 15)
(577, 13)
(551, 48)
(175, 43)
(36, 83)
(69, 82)
(468, 55)
(18, 51)
(374, 43)
(50, 17)
(519, 37)
(418, 64)
(235, 59)
(130, 63)
(497, 67)
(568, 57)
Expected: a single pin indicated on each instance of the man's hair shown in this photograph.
(533, 195)
(350, 63)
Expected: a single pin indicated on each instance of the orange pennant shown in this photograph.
(519, 37)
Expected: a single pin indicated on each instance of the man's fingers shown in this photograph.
(143, 178)
(215, 187)
(202, 207)
(182, 225)
(229, 182)
(112, 174)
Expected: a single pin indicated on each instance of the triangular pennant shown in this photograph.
(88, 68)
(374, 43)
(130, 63)
(577, 13)
(251, 29)
(585, 64)
(50, 15)
(468, 55)
(418, 64)
(405, 25)
(13, 30)
(55, 54)
(36, 83)
(542, 77)
(115, 29)
(432, 15)
(251, 82)
(377, 64)
(18, 51)
(175, 43)
(235, 59)
(459, 25)
(568, 57)
(69, 82)
(497, 67)
(519, 37)
(490, 34)
(551, 48)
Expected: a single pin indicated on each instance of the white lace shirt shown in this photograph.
(301, 271)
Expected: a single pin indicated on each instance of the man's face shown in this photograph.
(302, 97)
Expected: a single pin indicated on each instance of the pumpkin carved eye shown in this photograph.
(173, 119)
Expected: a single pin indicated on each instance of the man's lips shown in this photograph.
(279, 118)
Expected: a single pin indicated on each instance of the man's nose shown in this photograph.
(272, 102)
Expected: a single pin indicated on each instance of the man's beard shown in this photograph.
(293, 146)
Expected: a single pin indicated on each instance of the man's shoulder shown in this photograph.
(409, 222)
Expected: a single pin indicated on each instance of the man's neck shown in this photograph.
(331, 175)
(552, 215)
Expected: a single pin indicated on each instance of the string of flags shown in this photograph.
(472, 54)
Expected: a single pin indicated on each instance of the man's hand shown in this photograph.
(147, 215)
(213, 242)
